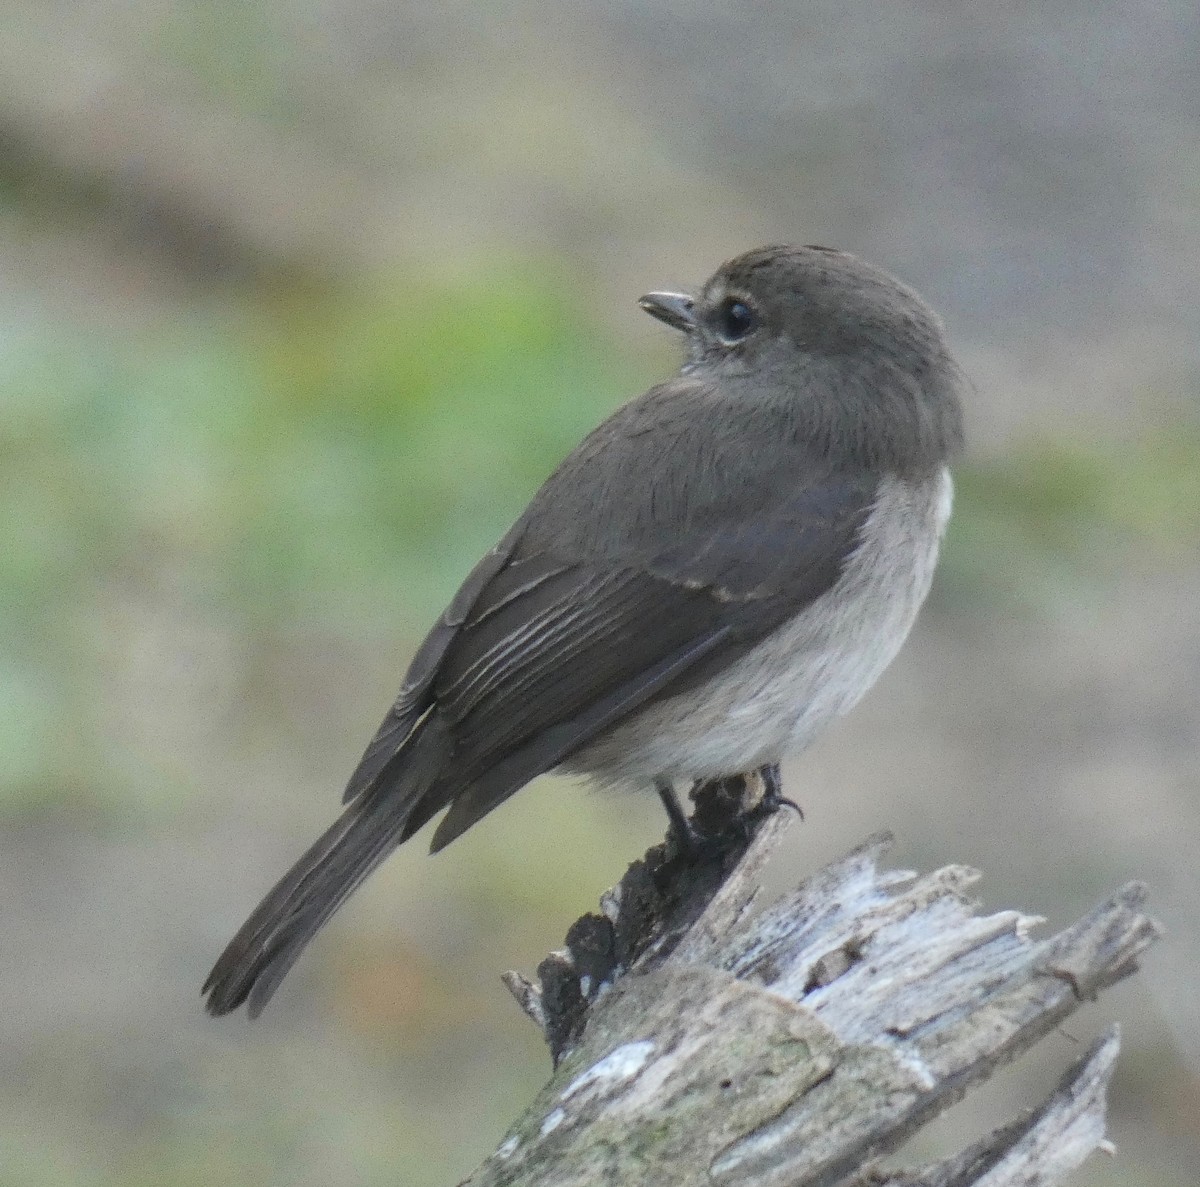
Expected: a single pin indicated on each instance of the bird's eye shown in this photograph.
(735, 320)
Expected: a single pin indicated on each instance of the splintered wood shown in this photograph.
(697, 1042)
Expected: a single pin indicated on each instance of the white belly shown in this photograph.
(775, 700)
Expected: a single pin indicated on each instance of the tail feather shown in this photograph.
(302, 902)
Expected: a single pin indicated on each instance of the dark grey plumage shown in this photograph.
(643, 587)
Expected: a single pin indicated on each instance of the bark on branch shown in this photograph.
(697, 1043)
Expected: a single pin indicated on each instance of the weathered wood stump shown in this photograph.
(698, 1042)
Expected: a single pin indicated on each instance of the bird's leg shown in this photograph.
(773, 798)
(680, 826)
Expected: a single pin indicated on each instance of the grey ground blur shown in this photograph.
(298, 302)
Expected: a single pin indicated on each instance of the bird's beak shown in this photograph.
(676, 309)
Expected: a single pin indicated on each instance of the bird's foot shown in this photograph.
(727, 812)
(772, 797)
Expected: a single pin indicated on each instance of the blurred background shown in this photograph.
(299, 302)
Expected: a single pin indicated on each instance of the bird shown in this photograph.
(713, 575)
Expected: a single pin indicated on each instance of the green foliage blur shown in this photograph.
(1052, 518)
(336, 460)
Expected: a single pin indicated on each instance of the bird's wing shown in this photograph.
(568, 627)
(525, 695)
(415, 698)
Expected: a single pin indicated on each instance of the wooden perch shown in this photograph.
(695, 1043)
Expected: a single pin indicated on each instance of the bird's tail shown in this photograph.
(270, 941)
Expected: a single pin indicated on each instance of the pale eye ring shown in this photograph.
(735, 320)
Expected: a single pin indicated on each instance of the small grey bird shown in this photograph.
(716, 572)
